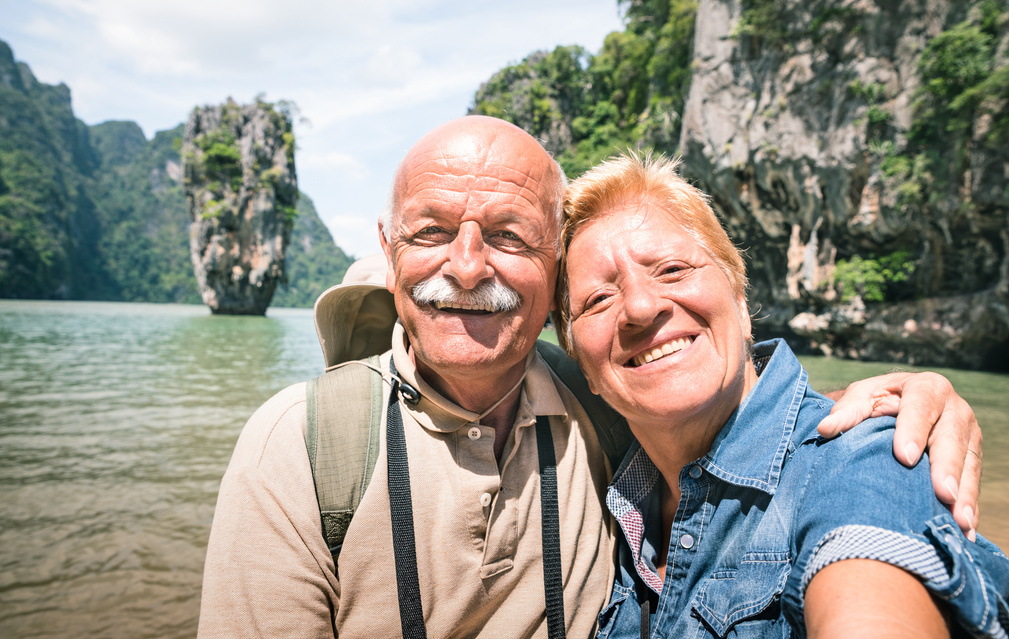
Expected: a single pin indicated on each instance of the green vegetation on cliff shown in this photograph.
(961, 109)
(48, 223)
(872, 277)
(314, 261)
(586, 107)
(145, 238)
(98, 213)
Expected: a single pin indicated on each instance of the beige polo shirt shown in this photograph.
(477, 525)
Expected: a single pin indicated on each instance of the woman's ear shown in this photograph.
(744, 317)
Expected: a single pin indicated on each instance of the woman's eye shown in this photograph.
(595, 300)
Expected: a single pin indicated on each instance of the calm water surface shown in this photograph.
(118, 420)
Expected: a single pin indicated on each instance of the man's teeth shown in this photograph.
(463, 307)
(662, 350)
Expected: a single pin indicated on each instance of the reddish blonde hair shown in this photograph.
(652, 179)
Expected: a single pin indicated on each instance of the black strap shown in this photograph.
(646, 619)
(553, 582)
(411, 612)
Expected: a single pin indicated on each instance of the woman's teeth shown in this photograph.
(662, 350)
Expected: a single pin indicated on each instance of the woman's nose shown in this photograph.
(467, 262)
(643, 303)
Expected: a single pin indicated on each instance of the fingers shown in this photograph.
(927, 417)
(953, 473)
(929, 403)
(861, 400)
(925, 398)
(966, 511)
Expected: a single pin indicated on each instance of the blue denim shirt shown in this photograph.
(770, 505)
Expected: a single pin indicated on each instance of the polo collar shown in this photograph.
(435, 412)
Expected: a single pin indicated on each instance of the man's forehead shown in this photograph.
(490, 159)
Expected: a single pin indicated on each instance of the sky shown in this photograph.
(368, 76)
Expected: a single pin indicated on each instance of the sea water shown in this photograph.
(117, 422)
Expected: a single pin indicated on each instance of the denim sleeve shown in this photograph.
(858, 502)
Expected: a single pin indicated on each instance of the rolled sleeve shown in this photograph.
(860, 503)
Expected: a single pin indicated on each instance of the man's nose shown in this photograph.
(643, 302)
(467, 261)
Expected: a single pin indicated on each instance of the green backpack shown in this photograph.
(345, 409)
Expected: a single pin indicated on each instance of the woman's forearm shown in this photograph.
(866, 598)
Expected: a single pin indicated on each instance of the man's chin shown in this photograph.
(472, 352)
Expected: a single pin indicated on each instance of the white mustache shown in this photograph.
(490, 295)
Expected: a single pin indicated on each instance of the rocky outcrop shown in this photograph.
(241, 191)
(813, 127)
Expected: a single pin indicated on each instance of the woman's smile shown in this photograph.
(654, 353)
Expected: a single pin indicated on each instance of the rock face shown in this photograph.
(241, 191)
(825, 130)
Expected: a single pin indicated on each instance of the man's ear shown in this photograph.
(390, 272)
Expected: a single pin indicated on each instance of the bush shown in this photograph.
(870, 278)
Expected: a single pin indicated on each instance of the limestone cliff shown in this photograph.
(839, 134)
(857, 149)
(241, 190)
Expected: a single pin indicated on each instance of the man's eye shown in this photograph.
(432, 233)
(508, 239)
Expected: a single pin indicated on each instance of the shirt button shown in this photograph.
(954, 543)
(695, 471)
(485, 499)
(687, 541)
(474, 433)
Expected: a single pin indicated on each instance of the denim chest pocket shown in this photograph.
(746, 601)
(612, 620)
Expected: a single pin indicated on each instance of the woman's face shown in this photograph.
(657, 328)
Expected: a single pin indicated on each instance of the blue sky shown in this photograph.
(369, 76)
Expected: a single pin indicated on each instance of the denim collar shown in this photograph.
(750, 456)
(741, 455)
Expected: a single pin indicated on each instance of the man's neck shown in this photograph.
(478, 394)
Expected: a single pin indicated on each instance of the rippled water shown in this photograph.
(116, 424)
(118, 420)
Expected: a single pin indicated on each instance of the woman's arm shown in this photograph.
(866, 598)
(930, 416)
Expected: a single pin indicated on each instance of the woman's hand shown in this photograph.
(930, 416)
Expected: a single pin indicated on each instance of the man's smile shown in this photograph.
(465, 309)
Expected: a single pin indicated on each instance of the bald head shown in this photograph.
(475, 220)
(477, 142)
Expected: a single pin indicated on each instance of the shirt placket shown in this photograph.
(484, 490)
(684, 540)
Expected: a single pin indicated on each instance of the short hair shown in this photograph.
(652, 179)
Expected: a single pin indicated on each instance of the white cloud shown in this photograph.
(354, 222)
(389, 66)
(334, 161)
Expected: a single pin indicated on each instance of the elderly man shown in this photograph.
(470, 241)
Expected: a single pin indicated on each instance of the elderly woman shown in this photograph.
(736, 518)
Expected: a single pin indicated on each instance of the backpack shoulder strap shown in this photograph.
(342, 437)
(611, 427)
